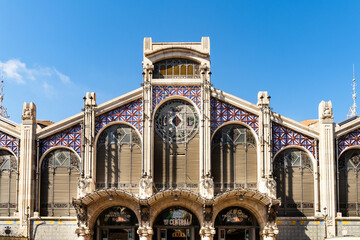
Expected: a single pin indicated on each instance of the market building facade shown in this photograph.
(179, 159)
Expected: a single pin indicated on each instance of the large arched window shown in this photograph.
(234, 158)
(177, 68)
(176, 145)
(118, 158)
(8, 183)
(349, 183)
(293, 173)
(60, 171)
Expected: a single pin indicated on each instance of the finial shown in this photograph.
(3, 110)
(352, 110)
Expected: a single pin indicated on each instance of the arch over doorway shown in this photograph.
(176, 223)
(236, 223)
(116, 223)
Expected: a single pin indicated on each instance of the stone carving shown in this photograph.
(271, 185)
(207, 233)
(144, 213)
(207, 181)
(81, 212)
(90, 99)
(208, 213)
(145, 232)
(145, 186)
(207, 186)
(325, 110)
(29, 111)
(84, 185)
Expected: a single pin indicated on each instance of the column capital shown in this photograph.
(145, 232)
(207, 233)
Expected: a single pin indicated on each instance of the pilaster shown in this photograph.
(87, 178)
(27, 166)
(266, 182)
(327, 167)
(146, 179)
(206, 186)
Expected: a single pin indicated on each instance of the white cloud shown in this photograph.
(15, 70)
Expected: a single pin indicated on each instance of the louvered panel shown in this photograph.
(179, 164)
(308, 186)
(159, 160)
(351, 187)
(124, 163)
(61, 186)
(46, 192)
(193, 164)
(4, 193)
(4, 187)
(342, 189)
(296, 184)
(136, 165)
(100, 164)
(215, 164)
(75, 174)
(251, 165)
(240, 163)
(13, 193)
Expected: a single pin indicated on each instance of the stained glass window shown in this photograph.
(176, 68)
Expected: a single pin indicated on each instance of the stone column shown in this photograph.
(84, 233)
(265, 164)
(206, 181)
(207, 233)
(269, 233)
(145, 233)
(27, 166)
(327, 167)
(87, 178)
(146, 180)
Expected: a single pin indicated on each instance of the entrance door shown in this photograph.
(110, 233)
(236, 234)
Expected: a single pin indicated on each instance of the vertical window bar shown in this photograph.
(53, 189)
(9, 198)
(69, 183)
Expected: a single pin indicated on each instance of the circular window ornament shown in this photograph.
(176, 121)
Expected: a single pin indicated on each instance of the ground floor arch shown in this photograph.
(176, 215)
(116, 223)
(234, 223)
(176, 223)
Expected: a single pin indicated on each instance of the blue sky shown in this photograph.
(301, 52)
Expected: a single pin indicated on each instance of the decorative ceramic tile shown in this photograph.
(162, 92)
(306, 230)
(69, 138)
(283, 136)
(9, 142)
(222, 112)
(130, 113)
(54, 230)
(348, 140)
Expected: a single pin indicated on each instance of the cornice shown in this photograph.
(347, 128)
(10, 129)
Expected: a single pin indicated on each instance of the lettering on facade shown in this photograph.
(178, 217)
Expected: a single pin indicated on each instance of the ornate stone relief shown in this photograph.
(29, 111)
